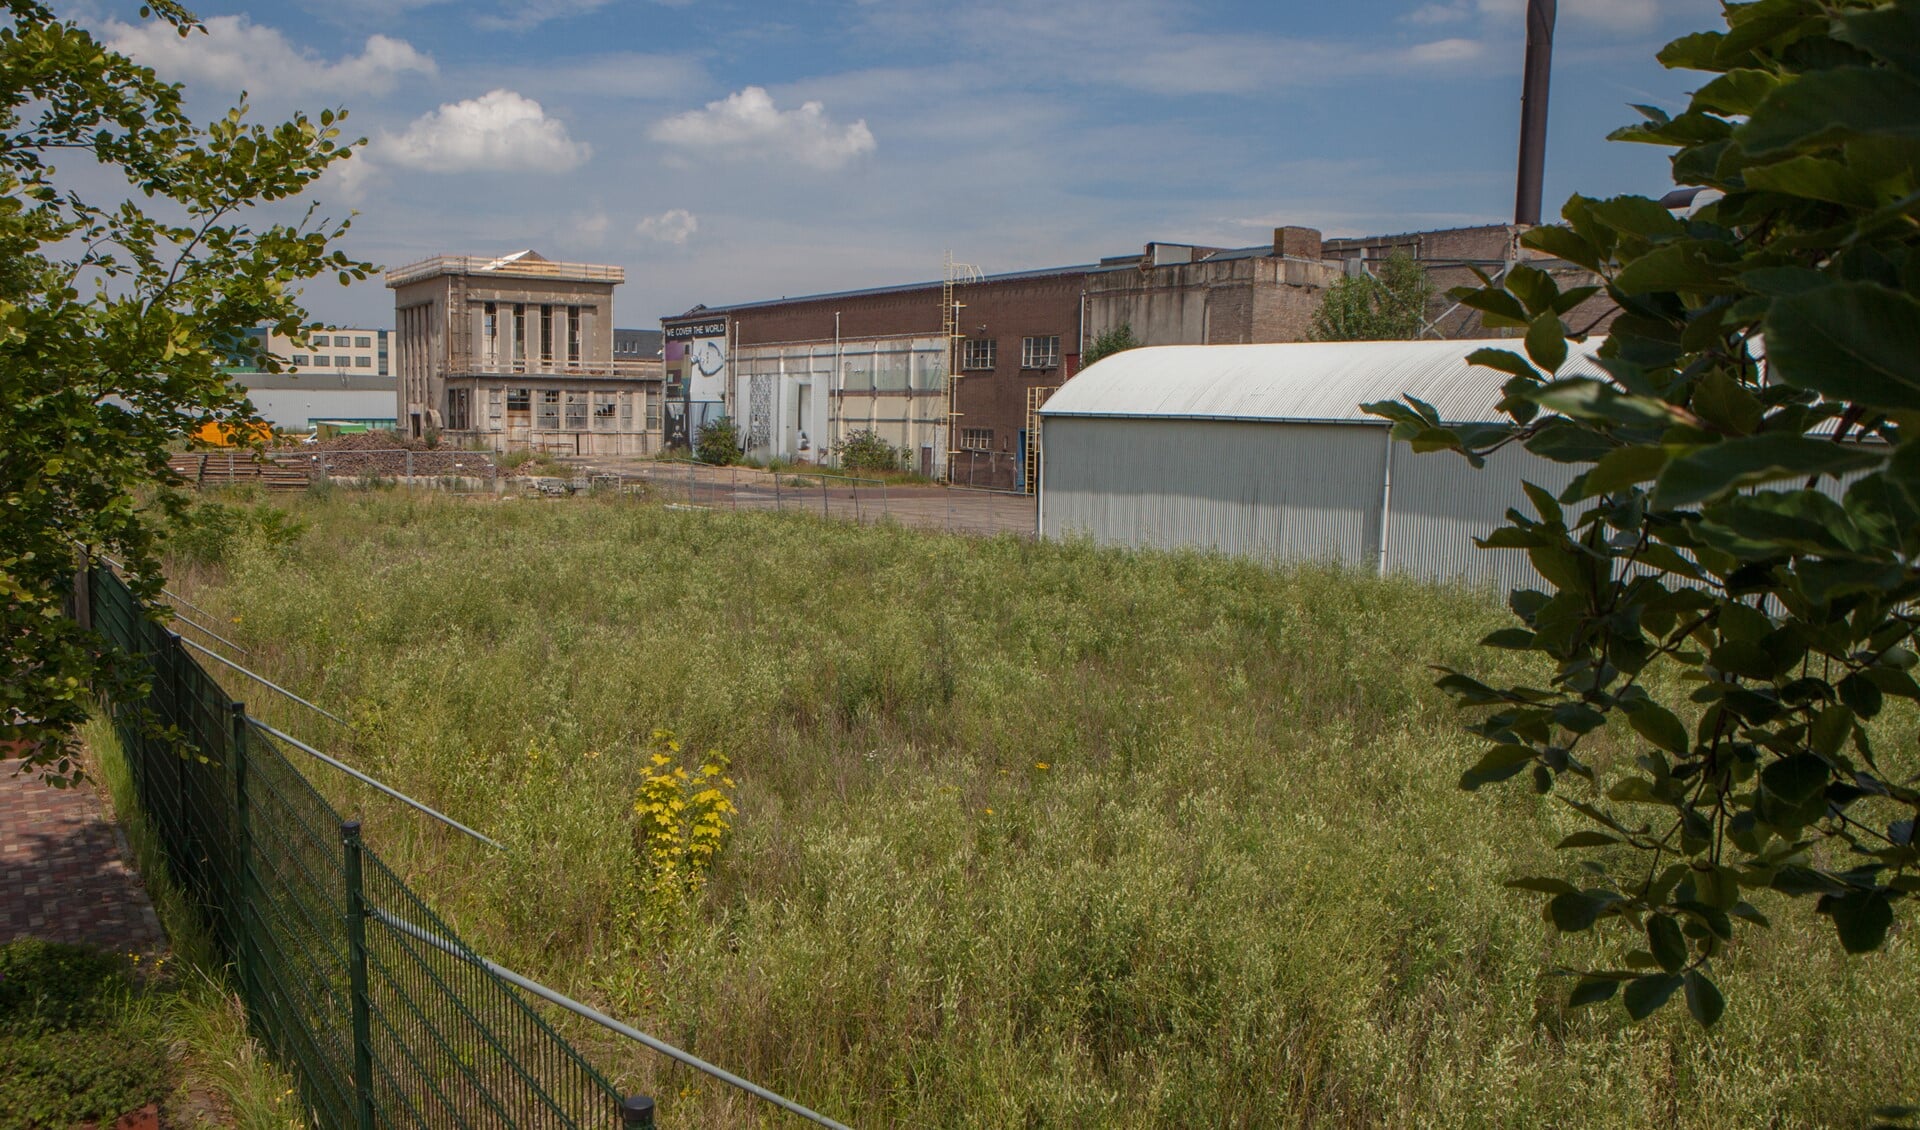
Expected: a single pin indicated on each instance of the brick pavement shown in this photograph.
(65, 871)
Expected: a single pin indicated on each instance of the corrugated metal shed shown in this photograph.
(1319, 382)
(1263, 451)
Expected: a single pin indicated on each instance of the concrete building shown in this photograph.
(353, 352)
(796, 371)
(517, 352)
(1262, 451)
(798, 376)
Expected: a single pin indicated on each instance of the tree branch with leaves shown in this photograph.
(117, 319)
(1730, 576)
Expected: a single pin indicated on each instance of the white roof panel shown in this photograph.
(1298, 381)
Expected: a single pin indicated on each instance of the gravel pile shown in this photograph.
(386, 455)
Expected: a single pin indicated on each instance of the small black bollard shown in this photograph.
(636, 1112)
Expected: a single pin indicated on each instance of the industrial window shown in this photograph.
(576, 411)
(604, 410)
(546, 333)
(573, 333)
(653, 410)
(298, 359)
(363, 362)
(493, 409)
(321, 339)
(977, 353)
(363, 343)
(549, 410)
(626, 411)
(457, 409)
(519, 400)
(976, 439)
(1040, 352)
(519, 332)
(322, 361)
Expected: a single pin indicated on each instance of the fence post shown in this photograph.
(242, 853)
(636, 1112)
(357, 980)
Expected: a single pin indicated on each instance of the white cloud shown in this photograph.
(671, 226)
(748, 124)
(525, 14)
(238, 54)
(1443, 51)
(498, 131)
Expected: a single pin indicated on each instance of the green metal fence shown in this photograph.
(381, 1013)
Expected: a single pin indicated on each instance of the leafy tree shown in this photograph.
(1388, 305)
(116, 319)
(1732, 570)
(1115, 340)
(718, 442)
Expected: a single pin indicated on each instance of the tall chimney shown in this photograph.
(1533, 111)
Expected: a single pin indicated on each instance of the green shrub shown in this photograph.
(209, 532)
(51, 986)
(719, 442)
(864, 450)
(74, 1044)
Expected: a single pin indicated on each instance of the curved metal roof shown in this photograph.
(1298, 381)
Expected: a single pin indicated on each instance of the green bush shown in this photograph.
(719, 442)
(864, 450)
(209, 532)
(75, 1045)
(50, 986)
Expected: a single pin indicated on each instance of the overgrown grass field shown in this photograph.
(1028, 834)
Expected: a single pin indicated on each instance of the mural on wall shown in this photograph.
(696, 362)
(760, 412)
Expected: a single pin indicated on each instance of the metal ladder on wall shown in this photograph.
(1035, 398)
(951, 275)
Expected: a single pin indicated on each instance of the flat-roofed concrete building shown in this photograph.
(517, 352)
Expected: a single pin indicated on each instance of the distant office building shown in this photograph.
(357, 352)
(518, 353)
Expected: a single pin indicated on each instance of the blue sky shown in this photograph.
(731, 150)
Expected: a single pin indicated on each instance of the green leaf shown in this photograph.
(1505, 360)
(1703, 999)
(1586, 839)
(1798, 778)
(1498, 764)
(1637, 215)
(1645, 995)
(1622, 468)
(1658, 725)
(1564, 243)
(1851, 341)
(1664, 939)
(1498, 309)
(1584, 398)
(1738, 91)
(1691, 267)
(1890, 31)
(1545, 886)
(1547, 342)
(1592, 990)
(1832, 105)
(1862, 918)
(1727, 404)
(1815, 178)
(1575, 911)
(1709, 471)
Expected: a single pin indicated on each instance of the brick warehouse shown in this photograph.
(799, 375)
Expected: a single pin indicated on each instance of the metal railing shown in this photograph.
(378, 1028)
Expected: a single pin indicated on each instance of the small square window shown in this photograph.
(363, 362)
(322, 340)
(519, 400)
(363, 343)
(976, 439)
